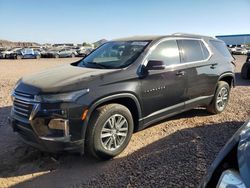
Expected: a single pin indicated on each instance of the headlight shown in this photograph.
(65, 97)
(230, 178)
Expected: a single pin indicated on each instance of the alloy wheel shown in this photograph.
(222, 98)
(114, 132)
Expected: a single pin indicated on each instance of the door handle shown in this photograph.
(213, 66)
(180, 73)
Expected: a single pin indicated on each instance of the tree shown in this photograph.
(86, 44)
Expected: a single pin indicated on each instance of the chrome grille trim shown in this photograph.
(20, 104)
(21, 109)
(23, 99)
(23, 104)
(20, 113)
(24, 95)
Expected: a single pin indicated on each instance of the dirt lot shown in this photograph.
(174, 153)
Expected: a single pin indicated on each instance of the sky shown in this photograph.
(77, 21)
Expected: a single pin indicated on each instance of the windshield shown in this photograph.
(113, 55)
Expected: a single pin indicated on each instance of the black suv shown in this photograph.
(123, 86)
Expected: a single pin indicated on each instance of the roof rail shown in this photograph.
(189, 34)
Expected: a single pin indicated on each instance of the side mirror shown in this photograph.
(155, 65)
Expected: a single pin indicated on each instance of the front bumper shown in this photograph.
(49, 145)
(32, 121)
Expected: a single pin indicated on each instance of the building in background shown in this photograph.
(235, 39)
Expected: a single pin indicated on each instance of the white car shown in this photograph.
(67, 53)
(240, 51)
(8, 52)
(82, 52)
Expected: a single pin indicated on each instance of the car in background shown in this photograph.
(67, 53)
(83, 52)
(56, 53)
(6, 53)
(240, 51)
(231, 168)
(25, 53)
(50, 53)
(245, 70)
(2, 50)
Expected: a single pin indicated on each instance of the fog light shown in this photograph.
(60, 124)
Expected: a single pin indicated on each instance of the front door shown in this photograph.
(164, 91)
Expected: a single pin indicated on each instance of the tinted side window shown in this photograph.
(190, 50)
(221, 47)
(167, 52)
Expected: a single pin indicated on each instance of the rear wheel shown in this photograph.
(220, 99)
(109, 131)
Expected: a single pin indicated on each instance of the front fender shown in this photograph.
(105, 100)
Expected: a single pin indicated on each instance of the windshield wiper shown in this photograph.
(97, 65)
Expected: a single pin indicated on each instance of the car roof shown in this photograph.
(157, 37)
(139, 38)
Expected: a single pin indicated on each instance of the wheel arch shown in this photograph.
(127, 99)
(228, 77)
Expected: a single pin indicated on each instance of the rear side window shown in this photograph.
(221, 47)
(167, 52)
(192, 50)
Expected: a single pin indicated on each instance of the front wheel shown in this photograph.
(220, 99)
(109, 131)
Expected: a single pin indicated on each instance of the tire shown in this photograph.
(104, 148)
(222, 91)
(245, 71)
(18, 57)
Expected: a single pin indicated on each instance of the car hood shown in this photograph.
(63, 78)
(7, 52)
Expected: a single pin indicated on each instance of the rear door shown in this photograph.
(164, 91)
(200, 70)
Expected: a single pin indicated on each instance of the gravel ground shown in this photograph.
(174, 153)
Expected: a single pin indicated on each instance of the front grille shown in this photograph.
(26, 95)
(23, 104)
